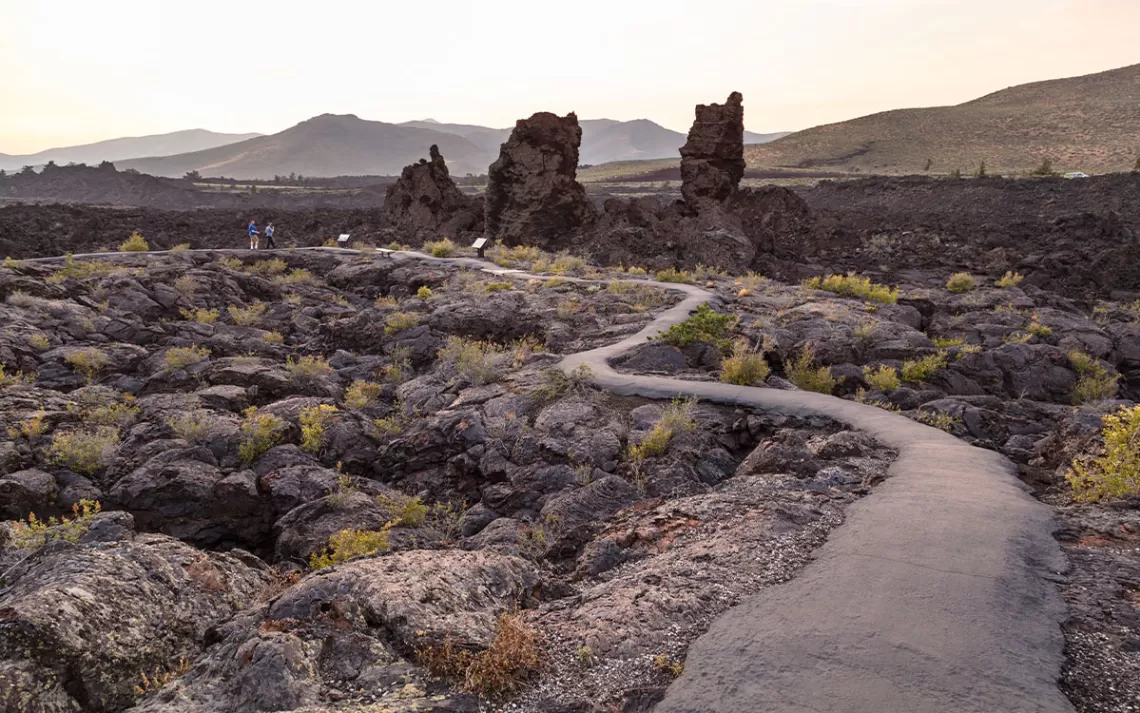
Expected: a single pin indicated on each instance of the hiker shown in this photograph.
(269, 237)
(252, 235)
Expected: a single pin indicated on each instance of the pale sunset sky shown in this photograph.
(75, 71)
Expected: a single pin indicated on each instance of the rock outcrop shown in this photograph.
(426, 199)
(712, 160)
(533, 196)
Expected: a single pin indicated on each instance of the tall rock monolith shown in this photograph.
(426, 201)
(712, 160)
(533, 195)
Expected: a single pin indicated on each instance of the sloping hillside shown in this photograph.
(1089, 123)
(128, 147)
(326, 145)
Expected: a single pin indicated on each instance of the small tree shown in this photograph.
(981, 172)
(193, 176)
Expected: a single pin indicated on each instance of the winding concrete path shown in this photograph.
(936, 595)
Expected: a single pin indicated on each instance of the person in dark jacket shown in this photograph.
(269, 237)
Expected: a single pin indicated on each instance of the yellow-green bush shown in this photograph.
(308, 367)
(39, 342)
(314, 419)
(440, 248)
(34, 532)
(809, 376)
(182, 357)
(134, 244)
(399, 321)
(88, 361)
(960, 282)
(884, 378)
(116, 413)
(1095, 382)
(478, 362)
(1010, 279)
(351, 544)
(424, 292)
(246, 316)
(852, 285)
(746, 366)
(200, 315)
(676, 418)
(673, 275)
(273, 337)
(194, 426)
(16, 379)
(85, 451)
(272, 266)
(918, 371)
(403, 511)
(180, 248)
(1115, 473)
(260, 432)
(360, 393)
(947, 342)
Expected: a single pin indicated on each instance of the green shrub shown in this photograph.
(85, 451)
(134, 244)
(424, 292)
(273, 337)
(308, 367)
(1010, 279)
(231, 263)
(477, 362)
(674, 275)
(704, 325)
(918, 371)
(1037, 329)
(296, 277)
(960, 282)
(361, 393)
(88, 361)
(852, 285)
(806, 374)
(1115, 473)
(746, 366)
(938, 419)
(180, 248)
(81, 270)
(351, 544)
(260, 432)
(39, 342)
(182, 357)
(440, 248)
(314, 419)
(34, 532)
(497, 287)
(200, 315)
(515, 256)
(246, 316)
(1095, 382)
(884, 378)
(399, 321)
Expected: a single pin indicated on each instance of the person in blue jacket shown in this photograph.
(252, 235)
(269, 245)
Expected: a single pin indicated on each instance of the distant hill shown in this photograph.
(1089, 123)
(326, 145)
(130, 147)
(603, 140)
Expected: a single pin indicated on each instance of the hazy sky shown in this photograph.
(73, 71)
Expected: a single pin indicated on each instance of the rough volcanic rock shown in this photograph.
(712, 160)
(426, 199)
(533, 196)
(80, 622)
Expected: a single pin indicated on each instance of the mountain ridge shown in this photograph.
(1085, 123)
(125, 147)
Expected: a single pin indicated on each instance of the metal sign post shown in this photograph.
(342, 241)
(480, 246)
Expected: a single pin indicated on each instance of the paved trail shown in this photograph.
(936, 595)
